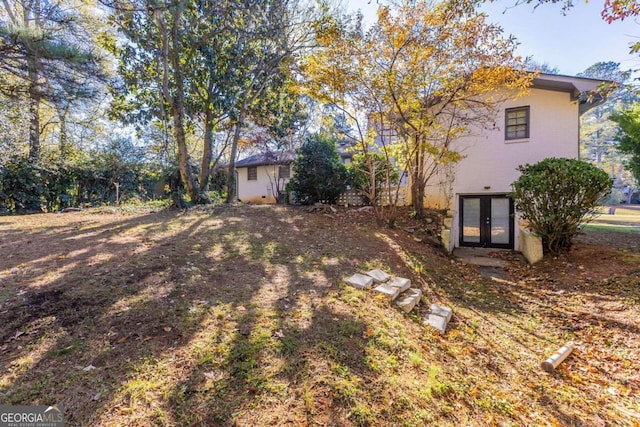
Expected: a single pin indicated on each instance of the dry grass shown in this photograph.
(239, 316)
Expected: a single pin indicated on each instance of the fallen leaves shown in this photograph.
(258, 348)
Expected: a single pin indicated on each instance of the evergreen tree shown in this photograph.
(46, 55)
(318, 172)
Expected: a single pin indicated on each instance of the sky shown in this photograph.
(570, 42)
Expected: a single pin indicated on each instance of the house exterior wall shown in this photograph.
(490, 162)
(263, 188)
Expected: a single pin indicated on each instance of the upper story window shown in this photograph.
(252, 173)
(517, 123)
(284, 172)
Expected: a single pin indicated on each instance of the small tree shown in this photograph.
(425, 74)
(370, 173)
(318, 173)
(628, 137)
(556, 195)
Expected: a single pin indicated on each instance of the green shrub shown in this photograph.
(54, 184)
(628, 137)
(21, 186)
(318, 172)
(556, 195)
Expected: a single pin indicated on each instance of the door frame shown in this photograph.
(485, 227)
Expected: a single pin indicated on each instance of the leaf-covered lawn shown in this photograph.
(239, 316)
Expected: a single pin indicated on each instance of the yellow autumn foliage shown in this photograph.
(429, 72)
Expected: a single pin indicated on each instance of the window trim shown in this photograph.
(285, 167)
(252, 176)
(527, 123)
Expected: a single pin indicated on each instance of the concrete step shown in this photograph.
(442, 311)
(360, 281)
(393, 287)
(479, 256)
(401, 283)
(409, 299)
(439, 317)
(437, 322)
(378, 276)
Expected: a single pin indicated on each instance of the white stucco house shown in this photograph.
(261, 177)
(544, 123)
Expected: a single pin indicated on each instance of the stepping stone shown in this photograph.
(401, 283)
(442, 311)
(437, 322)
(394, 287)
(379, 276)
(388, 291)
(360, 281)
(409, 299)
(439, 317)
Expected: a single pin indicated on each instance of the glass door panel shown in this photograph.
(471, 220)
(500, 220)
(486, 221)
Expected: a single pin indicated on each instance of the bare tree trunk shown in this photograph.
(419, 201)
(34, 117)
(183, 154)
(418, 182)
(35, 96)
(207, 155)
(64, 137)
(178, 107)
(231, 174)
(176, 101)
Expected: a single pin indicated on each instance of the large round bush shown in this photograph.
(556, 195)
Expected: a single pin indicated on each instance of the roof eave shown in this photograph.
(587, 105)
(576, 87)
(274, 163)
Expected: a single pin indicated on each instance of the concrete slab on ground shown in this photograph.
(390, 292)
(442, 311)
(409, 299)
(437, 322)
(479, 256)
(360, 281)
(400, 283)
(378, 276)
(394, 287)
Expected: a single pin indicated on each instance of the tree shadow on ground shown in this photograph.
(75, 336)
(238, 316)
(533, 313)
(283, 337)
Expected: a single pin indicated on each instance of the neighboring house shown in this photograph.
(544, 123)
(262, 177)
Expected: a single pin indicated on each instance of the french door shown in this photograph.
(486, 221)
